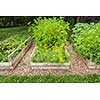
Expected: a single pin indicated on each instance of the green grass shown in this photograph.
(6, 33)
(51, 79)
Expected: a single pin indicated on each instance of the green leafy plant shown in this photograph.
(8, 46)
(80, 28)
(87, 41)
(11, 41)
(50, 35)
(55, 54)
(50, 32)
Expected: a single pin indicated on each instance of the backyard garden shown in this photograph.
(49, 49)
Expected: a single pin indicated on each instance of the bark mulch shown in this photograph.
(79, 66)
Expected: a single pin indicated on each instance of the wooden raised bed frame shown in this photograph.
(13, 63)
(49, 65)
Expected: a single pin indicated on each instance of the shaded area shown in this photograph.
(13, 21)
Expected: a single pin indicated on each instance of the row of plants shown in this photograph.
(51, 35)
(55, 54)
(8, 45)
(86, 40)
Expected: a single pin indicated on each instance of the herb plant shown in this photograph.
(50, 35)
(87, 41)
(12, 40)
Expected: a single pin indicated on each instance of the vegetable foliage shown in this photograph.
(86, 39)
(10, 42)
(50, 35)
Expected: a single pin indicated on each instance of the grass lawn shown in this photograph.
(51, 79)
(6, 33)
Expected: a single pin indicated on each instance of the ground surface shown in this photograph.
(51, 79)
(78, 66)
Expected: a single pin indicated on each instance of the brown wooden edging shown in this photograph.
(10, 59)
(92, 65)
(50, 65)
(21, 55)
(6, 65)
(13, 63)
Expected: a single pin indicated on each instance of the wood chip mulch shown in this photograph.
(78, 66)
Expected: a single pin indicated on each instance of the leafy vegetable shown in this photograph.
(50, 35)
(9, 43)
(87, 41)
(55, 54)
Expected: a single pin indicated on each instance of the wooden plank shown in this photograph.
(50, 65)
(5, 65)
(20, 56)
(10, 55)
(51, 68)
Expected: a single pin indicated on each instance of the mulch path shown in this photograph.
(78, 66)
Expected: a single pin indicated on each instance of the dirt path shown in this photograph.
(79, 65)
(22, 68)
(76, 61)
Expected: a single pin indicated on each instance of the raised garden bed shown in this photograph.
(6, 65)
(10, 39)
(92, 65)
(50, 65)
(86, 40)
(15, 57)
(50, 36)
